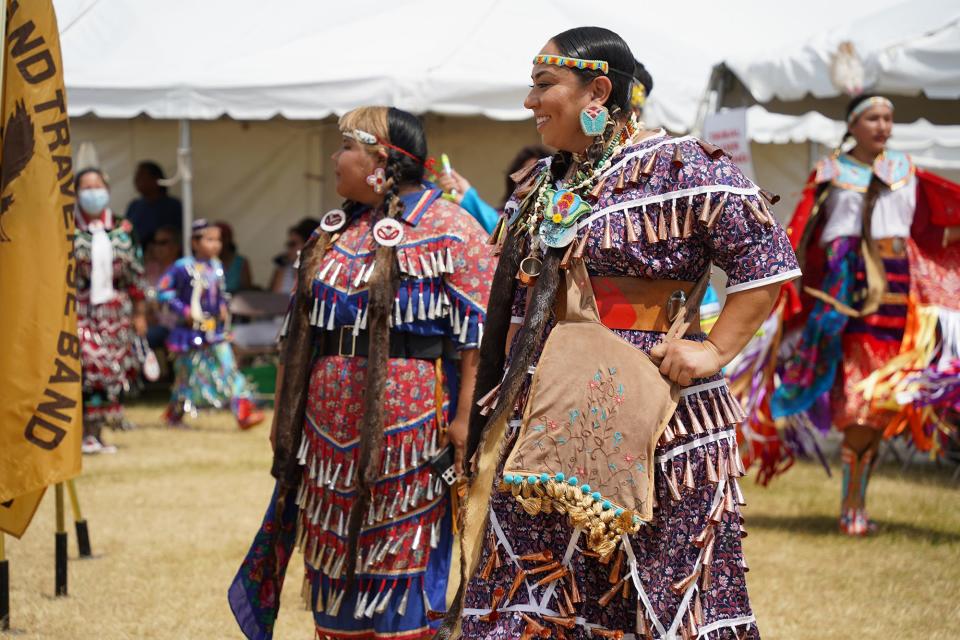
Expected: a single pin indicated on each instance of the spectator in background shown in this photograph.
(284, 275)
(154, 208)
(205, 369)
(110, 308)
(236, 268)
(469, 199)
(161, 254)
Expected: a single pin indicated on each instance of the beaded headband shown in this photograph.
(360, 136)
(866, 104)
(199, 226)
(573, 63)
(365, 137)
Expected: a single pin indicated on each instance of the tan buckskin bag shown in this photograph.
(596, 409)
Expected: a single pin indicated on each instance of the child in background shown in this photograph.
(206, 373)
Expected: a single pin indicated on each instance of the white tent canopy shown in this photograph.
(909, 49)
(302, 59)
(932, 146)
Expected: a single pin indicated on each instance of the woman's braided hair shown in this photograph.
(400, 135)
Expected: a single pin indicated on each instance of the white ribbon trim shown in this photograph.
(567, 555)
(666, 197)
(642, 594)
(729, 622)
(753, 284)
(706, 386)
(646, 150)
(502, 541)
(527, 608)
(693, 444)
(685, 603)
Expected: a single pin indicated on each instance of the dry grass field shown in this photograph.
(171, 515)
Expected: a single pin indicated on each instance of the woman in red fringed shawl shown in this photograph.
(872, 337)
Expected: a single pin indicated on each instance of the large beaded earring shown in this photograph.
(593, 120)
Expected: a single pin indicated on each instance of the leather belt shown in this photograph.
(891, 247)
(641, 305)
(342, 342)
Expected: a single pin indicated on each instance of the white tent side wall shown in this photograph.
(263, 176)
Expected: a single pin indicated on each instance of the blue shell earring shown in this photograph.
(593, 120)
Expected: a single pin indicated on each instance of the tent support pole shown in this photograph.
(185, 168)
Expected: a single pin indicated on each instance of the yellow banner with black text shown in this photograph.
(40, 404)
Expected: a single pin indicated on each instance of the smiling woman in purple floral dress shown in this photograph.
(656, 211)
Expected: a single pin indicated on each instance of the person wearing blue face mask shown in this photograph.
(110, 308)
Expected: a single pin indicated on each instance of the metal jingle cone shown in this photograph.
(567, 622)
(731, 463)
(540, 556)
(672, 483)
(568, 255)
(635, 173)
(662, 224)
(581, 244)
(608, 596)
(645, 631)
(698, 610)
(615, 568)
(691, 625)
(533, 625)
(551, 566)
(711, 150)
(716, 514)
(705, 211)
(648, 229)
(667, 434)
(677, 160)
(688, 220)
(597, 191)
(738, 494)
(769, 196)
(621, 181)
(551, 577)
(703, 537)
(517, 581)
(487, 567)
(766, 211)
(711, 470)
(607, 242)
(688, 474)
(755, 211)
(649, 165)
(715, 214)
(679, 426)
(707, 420)
(729, 503)
(694, 420)
(674, 220)
(708, 550)
(631, 232)
(680, 586)
(574, 590)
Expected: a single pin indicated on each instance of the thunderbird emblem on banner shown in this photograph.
(40, 424)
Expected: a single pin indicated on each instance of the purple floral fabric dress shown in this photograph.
(683, 574)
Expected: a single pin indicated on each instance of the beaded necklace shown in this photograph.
(548, 214)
